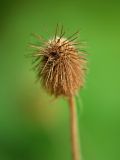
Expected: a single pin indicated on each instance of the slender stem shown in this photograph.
(74, 130)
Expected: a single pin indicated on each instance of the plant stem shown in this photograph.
(74, 129)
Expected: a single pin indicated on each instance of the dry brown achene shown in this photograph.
(60, 65)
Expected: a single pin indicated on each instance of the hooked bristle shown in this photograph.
(60, 65)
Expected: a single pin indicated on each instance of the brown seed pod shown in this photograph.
(60, 65)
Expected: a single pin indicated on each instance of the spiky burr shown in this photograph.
(60, 65)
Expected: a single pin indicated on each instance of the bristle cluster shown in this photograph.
(60, 65)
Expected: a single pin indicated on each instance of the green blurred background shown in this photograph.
(32, 126)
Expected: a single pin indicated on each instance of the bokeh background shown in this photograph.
(33, 126)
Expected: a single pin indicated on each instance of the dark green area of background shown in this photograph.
(31, 126)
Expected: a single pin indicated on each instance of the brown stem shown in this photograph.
(74, 130)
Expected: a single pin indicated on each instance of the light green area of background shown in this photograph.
(32, 126)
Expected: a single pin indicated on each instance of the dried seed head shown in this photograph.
(60, 65)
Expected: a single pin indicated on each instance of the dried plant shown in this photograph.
(60, 66)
